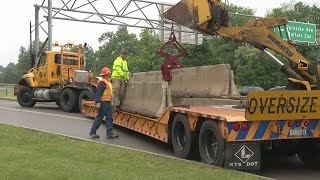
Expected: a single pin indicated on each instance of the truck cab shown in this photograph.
(56, 67)
(58, 76)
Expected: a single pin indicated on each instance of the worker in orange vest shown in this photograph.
(103, 99)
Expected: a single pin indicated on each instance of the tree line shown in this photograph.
(251, 67)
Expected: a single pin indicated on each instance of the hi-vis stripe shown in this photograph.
(267, 130)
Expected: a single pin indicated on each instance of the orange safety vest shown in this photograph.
(107, 93)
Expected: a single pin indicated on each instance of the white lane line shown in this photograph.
(47, 114)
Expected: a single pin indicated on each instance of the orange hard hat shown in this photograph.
(105, 71)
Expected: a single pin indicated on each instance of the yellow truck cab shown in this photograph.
(58, 76)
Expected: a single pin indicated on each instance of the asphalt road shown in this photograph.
(48, 117)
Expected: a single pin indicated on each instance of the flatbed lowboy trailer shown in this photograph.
(222, 136)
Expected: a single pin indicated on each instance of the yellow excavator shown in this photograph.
(211, 17)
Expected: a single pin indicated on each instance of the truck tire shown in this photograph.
(310, 158)
(86, 95)
(211, 144)
(181, 136)
(68, 100)
(24, 97)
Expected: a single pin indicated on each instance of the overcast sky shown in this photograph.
(15, 16)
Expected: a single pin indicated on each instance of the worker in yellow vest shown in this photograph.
(120, 75)
(103, 99)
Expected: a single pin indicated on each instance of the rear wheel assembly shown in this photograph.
(181, 136)
(68, 100)
(211, 144)
(310, 156)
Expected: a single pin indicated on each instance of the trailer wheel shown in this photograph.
(86, 95)
(310, 158)
(211, 144)
(24, 97)
(181, 137)
(68, 100)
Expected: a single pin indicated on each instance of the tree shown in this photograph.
(24, 60)
(240, 15)
(298, 12)
(11, 74)
(254, 68)
(202, 55)
(91, 60)
(146, 59)
(113, 43)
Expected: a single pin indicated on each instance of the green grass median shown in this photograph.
(29, 154)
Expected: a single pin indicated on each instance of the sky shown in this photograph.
(15, 16)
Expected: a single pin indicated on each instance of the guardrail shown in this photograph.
(7, 85)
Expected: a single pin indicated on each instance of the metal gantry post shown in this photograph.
(162, 23)
(36, 30)
(49, 25)
(2, 76)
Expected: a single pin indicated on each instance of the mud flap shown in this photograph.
(243, 156)
(16, 89)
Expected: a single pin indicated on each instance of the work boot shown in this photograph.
(112, 136)
(94, 135)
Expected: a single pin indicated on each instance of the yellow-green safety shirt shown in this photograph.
(120, 69)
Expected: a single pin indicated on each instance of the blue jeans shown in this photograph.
(105, 110)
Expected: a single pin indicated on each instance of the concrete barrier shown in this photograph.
(145, 98)
(206, 101)
(146, 76)
(214, 81)
(203, 82)
(147, 94)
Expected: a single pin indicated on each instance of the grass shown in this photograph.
(29, 154)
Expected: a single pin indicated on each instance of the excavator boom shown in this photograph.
(211, 17)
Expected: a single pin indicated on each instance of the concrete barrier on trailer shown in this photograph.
(145, 98)
(207, 101)
(214, 81)
(203, 82)
(146, 76)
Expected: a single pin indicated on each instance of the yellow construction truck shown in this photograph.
(184, 109)
(57, 76)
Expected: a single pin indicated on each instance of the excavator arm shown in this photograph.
(211, 17)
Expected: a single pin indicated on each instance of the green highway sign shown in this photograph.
(299, 32)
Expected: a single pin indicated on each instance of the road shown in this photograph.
(48, 117)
